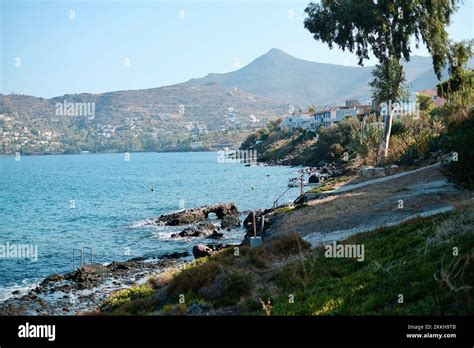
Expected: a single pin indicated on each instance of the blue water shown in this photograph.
(112, 199)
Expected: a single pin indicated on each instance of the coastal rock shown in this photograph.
(259, 215)
(216, 235)
(248, 224)
(202, 250)
(314, 179)
(224, 211)
(175, 256)
(230, 221)
(53, 278)
(201, 230)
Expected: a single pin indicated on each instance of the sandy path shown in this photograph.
(369, 205)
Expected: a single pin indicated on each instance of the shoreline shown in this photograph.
(50, 296)
(86, 288)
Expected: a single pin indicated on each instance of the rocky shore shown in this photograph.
(84, 289)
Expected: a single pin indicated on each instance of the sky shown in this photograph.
(51, 48)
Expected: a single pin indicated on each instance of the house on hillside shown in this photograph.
(437, 101)
(328, 117)
(302, 121)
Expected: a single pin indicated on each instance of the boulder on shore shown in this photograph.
(202, 230)
(202, 250)
(226, 212)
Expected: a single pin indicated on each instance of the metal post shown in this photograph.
(302, 184)
(254, 225)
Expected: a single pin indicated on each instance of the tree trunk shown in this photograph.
(383, 151)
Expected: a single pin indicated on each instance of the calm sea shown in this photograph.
(58, 203)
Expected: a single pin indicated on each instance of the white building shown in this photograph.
(328, 117)
(304, 121)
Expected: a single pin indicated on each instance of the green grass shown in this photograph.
(330, 184)
(398, 261)
(290, 209)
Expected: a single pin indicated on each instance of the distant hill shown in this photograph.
(165, 118)
(207, 104)
(281, 76)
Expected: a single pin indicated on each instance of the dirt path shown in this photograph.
(369, 205)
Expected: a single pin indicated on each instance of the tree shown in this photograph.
(459, 88)
(385, 28)
(426, 102)
(387, 87)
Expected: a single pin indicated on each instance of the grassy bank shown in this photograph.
(425, 266)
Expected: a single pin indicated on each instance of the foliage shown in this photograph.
(414, 259)
(388, 81)
(123, 296)
(330, 184)
(366, 136)
(290, 244)
(385, 28)
(211, 281)
(426, 102)
(459, 88)
(460, 139)
(420, 135)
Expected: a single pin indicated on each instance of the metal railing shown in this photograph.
(81, 253)
(275, 203)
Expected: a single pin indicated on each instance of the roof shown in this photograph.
(430, 92)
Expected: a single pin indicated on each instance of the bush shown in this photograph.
(212, 281)
(289, 244)
(194, 278)
(124, 296)
(460, 139)
(228, 287)
(366, 137)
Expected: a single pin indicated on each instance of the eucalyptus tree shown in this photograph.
(386, 29)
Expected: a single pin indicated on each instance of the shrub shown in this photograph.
(124, 296)
(228, 287)
(194, 278)
(460, 139)
(289, 244)
(366, 137)
(219, 284)
(174, 309)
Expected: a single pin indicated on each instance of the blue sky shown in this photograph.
(47, 50)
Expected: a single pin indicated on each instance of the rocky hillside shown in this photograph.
(175, 113)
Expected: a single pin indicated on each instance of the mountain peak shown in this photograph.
(276, 52)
